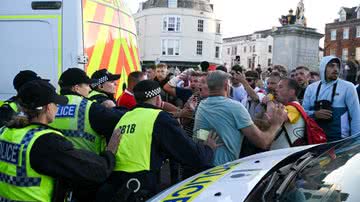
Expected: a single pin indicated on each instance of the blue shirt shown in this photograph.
(226, 117)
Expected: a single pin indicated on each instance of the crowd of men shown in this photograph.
(84, 145)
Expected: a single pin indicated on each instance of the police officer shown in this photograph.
(35, 158)
(84, 122)
(10, 107)
(105, 88)
(150, 135)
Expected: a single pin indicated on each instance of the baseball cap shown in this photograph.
(146, 89)
(37, 93)
(103, 76)
(74, 76)
(25, 76)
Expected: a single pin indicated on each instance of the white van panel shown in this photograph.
(27, 44)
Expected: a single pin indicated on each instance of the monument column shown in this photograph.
(296, 45)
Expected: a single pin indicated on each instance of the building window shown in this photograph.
(172, 3)
(138, 27)
(217, 52)
(249, 63)
(237, 59)
(358, 31)
(171, 47)
(234, 50)
(345, 54)
(200, 25)
(171, 24)
(333, 52)
(218, 28)
(254, 48)
(342, 16)
(269, 62)
(333, 35)
(228, 51)
(199, 47)
(346, 33)
(270, 49)
(357, 54)
(244, 49)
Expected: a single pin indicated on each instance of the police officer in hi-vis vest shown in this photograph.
(37, 163)
(151, 135)
(85, 123)
(105, 88)
(10, 107)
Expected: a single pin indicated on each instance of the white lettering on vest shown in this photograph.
(9, 152)
(66, 111)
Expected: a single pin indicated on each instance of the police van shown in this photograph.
(326, 172)
(50, 36)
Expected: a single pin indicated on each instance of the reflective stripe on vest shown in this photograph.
(134, 150)
(12, 105)
(73, 121)
(95, 93)
(18, 181)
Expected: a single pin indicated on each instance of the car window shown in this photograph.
(332, 177)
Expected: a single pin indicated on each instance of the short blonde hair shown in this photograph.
(161, 65)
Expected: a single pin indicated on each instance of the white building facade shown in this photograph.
(250, 51)
(178, 32)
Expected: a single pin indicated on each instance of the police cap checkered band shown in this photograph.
(152, 93)
(146, 89)
(103, 75)
(100, 81)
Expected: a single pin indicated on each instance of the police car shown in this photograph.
(327, 172)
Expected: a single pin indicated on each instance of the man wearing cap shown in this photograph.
(105, 88)
(150, 135)
(49, 163)
(84, 122)
(10, 108)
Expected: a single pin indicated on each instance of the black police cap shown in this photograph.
(146, 89)
(37, 93)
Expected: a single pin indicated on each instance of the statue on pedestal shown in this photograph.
(300, 17)
(288, 19)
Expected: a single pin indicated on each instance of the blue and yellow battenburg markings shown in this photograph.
(189, 191)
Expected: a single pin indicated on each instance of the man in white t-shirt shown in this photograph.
(237, 91)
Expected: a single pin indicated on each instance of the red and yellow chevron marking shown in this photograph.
(106, 45)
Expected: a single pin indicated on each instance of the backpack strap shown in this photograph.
(317, 92)
(281, 131)
(286, 135)
(332, 95)
(333, 92)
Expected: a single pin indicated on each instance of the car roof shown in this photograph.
(229, 182)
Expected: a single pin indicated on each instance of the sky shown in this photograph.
(240, 17)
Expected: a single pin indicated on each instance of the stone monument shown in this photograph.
(295, 44)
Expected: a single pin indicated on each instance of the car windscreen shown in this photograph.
(328, 175)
